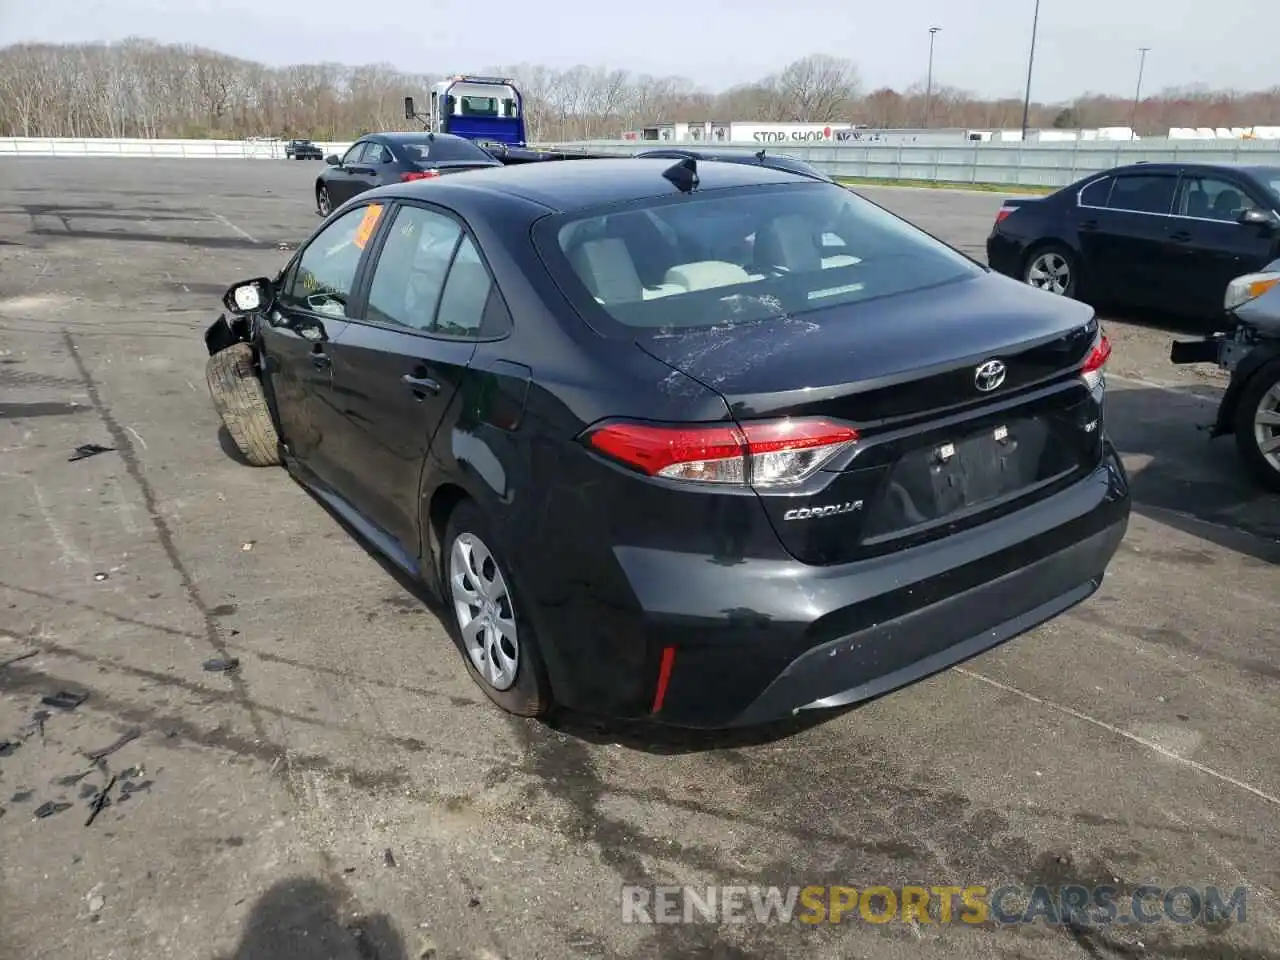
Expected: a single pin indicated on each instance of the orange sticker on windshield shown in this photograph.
(365, 230)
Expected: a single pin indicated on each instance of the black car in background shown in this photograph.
(706, 443)
(380, 159)
(1165, 236)
(774, 161)
(302, 150)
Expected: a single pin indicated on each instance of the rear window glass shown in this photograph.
(740, 256)
(432, 151)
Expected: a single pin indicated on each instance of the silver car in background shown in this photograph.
(1250, 351)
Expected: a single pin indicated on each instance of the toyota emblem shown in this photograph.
(989, 375)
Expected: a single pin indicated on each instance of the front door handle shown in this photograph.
(321, 361)
(420, 385)
(1182, 236)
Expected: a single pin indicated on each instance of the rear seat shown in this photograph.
(607, 270)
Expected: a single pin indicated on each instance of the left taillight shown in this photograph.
(1092, 368)
(419, 175)
(761, 454)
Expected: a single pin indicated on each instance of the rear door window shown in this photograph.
(1144, 193)
(1097, 193)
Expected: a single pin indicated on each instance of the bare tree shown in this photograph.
(818, 87)
(140, 88)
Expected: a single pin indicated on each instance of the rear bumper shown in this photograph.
(759, 640)
(1004, 255)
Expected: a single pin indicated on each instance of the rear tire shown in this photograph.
(1258, 424)
(484, 615)
(1054, 269)
(242, 404)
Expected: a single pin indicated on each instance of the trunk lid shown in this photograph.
(935, 452)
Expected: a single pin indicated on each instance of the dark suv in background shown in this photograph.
(302, 150)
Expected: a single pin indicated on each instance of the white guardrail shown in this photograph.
(1014, 164)
(153, 149)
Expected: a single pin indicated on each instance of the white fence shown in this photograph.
(155, 149)
(1030, 164)
(1012, 164)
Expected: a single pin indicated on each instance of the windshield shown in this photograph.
(739, 256)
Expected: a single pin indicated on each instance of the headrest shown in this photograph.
(788, 242)
(607, 270)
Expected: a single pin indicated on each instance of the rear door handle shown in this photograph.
(321, 361)
(1182, 236)
(420, 385)
(1089, 225)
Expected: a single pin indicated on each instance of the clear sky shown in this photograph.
(1083, 45)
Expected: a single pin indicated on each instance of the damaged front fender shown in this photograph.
(1253, 361)
(223, 333)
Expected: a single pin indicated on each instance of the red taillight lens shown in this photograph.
(1002, 213)
(419, 175)
(1099, 354)
(762, 453)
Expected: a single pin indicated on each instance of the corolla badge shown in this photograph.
(989, 375)
(830, 510)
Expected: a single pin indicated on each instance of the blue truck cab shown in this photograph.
(486, 109)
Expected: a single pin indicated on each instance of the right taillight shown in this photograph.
(1002, 213)
(1092, 368)
(762, 454)
(419, 175)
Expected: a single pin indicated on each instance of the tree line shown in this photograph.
(140, 88)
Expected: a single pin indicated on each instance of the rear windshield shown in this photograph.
(440, 149)
(740, 256)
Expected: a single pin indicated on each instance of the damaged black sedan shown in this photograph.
(705, 443)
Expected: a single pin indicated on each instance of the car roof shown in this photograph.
(567, 185)
(1173, 167)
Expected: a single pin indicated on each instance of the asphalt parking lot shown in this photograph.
(348, 793)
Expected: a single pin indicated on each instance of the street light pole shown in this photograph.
(1137, 94)
(928, 90)
(1031, 59)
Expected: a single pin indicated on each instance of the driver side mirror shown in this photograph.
(249, 296)
(409, 112)
(333, 160)
(1258, 217)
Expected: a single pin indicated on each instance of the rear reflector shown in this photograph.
(1099, 354)
(419, 175)
(664, 677)
(763, 453)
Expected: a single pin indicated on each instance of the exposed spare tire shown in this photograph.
(241, 403)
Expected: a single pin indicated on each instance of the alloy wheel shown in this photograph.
(486, 617)
(1050, 272)
(1266, 426)
(322, 201)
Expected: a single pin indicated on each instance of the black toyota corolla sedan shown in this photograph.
(385, 158)
(705, 443)
(1165, 236)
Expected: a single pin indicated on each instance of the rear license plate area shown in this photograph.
(957, 476)
(978, 468)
